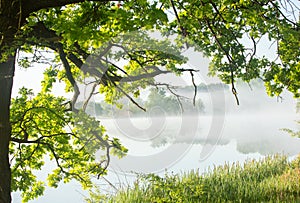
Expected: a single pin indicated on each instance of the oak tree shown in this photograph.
(85, 38)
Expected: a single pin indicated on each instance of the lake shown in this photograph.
(181, 143)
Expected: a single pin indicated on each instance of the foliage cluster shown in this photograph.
(272, 179)
(41, 128)
(221, 28)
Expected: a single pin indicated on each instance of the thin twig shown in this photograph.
(183, 30)
(90, 96)
(195, 88)
(129, 97)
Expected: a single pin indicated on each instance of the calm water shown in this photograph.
(178, 144)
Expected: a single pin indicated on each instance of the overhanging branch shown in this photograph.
(33, 5)
(69, 74)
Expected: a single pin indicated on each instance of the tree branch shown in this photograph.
(94, 66)
(38, 140)
(56, 157)
(129, 97)
(195, 88)
(30, 6)
(90, 96)
(69, 74)
(183, 30)
(229, 58)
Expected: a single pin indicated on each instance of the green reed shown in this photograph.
(271, 179)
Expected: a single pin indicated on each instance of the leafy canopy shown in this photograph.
(90, 39)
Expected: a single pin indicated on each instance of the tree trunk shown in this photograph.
(6, 81)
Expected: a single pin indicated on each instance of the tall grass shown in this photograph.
(272, 179)
(254, 181)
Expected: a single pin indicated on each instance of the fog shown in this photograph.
(256, 124)
(225, 132)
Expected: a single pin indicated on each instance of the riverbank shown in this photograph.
(271, 179)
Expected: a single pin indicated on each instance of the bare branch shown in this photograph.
(112, 185)
(90, 96)
(172, 90)
(145, 75)
(129, 97)
(282, 14)
(195, 88)
(107, 161)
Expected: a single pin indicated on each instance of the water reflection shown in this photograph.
(253, 133)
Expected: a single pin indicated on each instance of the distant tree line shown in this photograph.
(158, 102)
(202, 87)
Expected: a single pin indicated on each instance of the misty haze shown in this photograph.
(196, 138)
(253, 128)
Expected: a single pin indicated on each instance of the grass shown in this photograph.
(272, 179)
